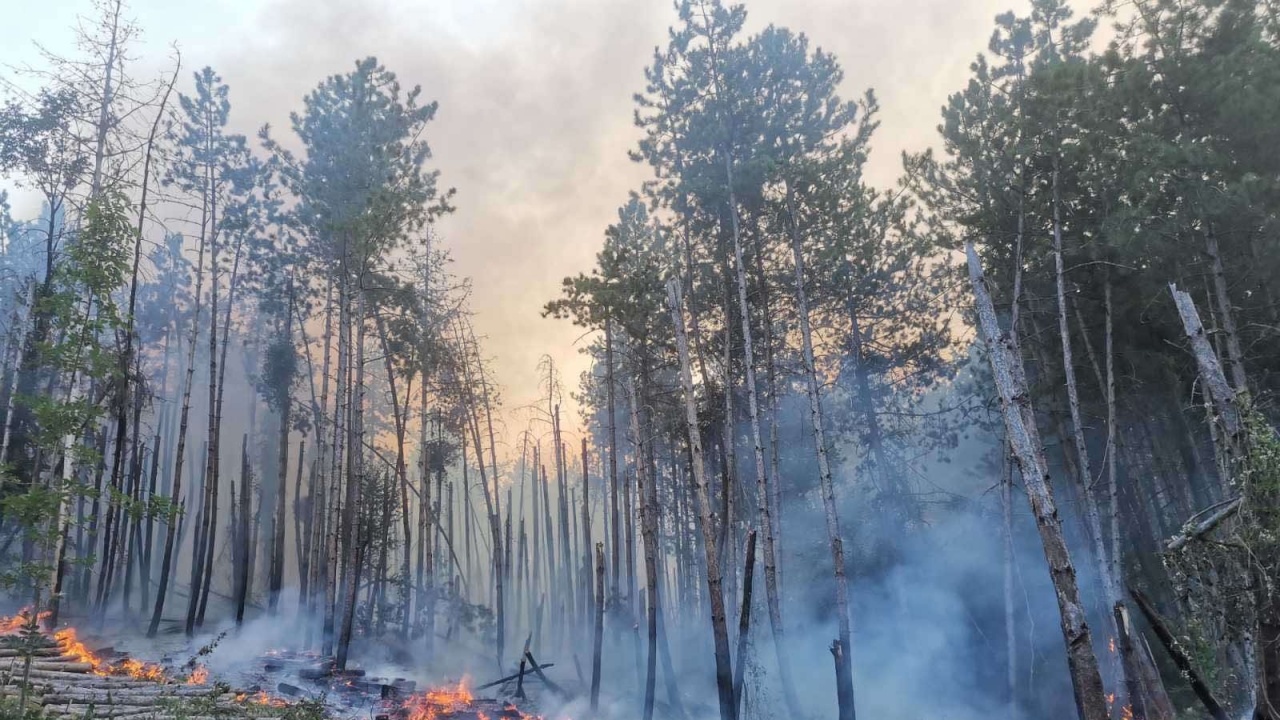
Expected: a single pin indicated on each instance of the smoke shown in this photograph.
(928, 600)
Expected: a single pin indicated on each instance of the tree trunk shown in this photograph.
(1108, 572)
(166, 560)
(355, 480)
(724, 672)
(648, 495)
(599, 630)
(744, 620)
(1025, 438)
(844, 663)
(762, 478)
(241, 543)
(1221, 298)
(615, 535)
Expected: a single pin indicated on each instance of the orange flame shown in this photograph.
(261, 698)
(441, 703)
(72, 646)
(15, 623)
(434, 704)
(199, 676)
(1111, 644)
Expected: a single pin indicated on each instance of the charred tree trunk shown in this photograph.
(649, 531)
(844, 680)
(599, 629)
(724, 671)
(744, 620)
(1025, 438)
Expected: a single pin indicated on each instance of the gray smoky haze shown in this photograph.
(928, 600)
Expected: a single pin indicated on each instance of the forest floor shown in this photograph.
(126, 675)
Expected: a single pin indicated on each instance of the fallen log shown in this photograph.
(509, 678)
(100, 710)
(537, 670)
(1180, 657)
(37, 652)
(124, 696)
(90, 681)
(13, 664)
(1204, 527)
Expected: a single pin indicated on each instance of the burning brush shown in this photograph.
(456, 702)
(71, 646)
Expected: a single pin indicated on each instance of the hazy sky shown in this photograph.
(535, 111)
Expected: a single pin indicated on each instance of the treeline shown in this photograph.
(758, 279)
(233, 370)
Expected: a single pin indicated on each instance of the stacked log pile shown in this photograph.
(64, 687)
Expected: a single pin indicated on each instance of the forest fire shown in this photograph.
(198, 676)
(13, 624)
(72, 646)
(452, 702)
(261, 698)
(434, 704)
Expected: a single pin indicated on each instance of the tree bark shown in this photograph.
(599, 630)
(615, 535)
(1107, 569)
(647, 492)
(724, 671)
(1024, 437)
(1222, 298)
(744, 620)
(844, 664)
(762, 477)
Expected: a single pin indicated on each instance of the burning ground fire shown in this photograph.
(261, 698)
(453, 702)
(71, 646)
(444, 703)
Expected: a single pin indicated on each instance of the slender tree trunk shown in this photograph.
(599, 630)
(1226, 312)
(1010, 629)
(744, 620)
(615, 535)
(844, 681)
(402, 471)
(649, 531)
(1107, 571)
(208, 505)
(762, 478)
(1024, 436)
(241, 543)
(355, 480)
(588, 594)
(719, 630)
(166, 561)
(335, 543)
